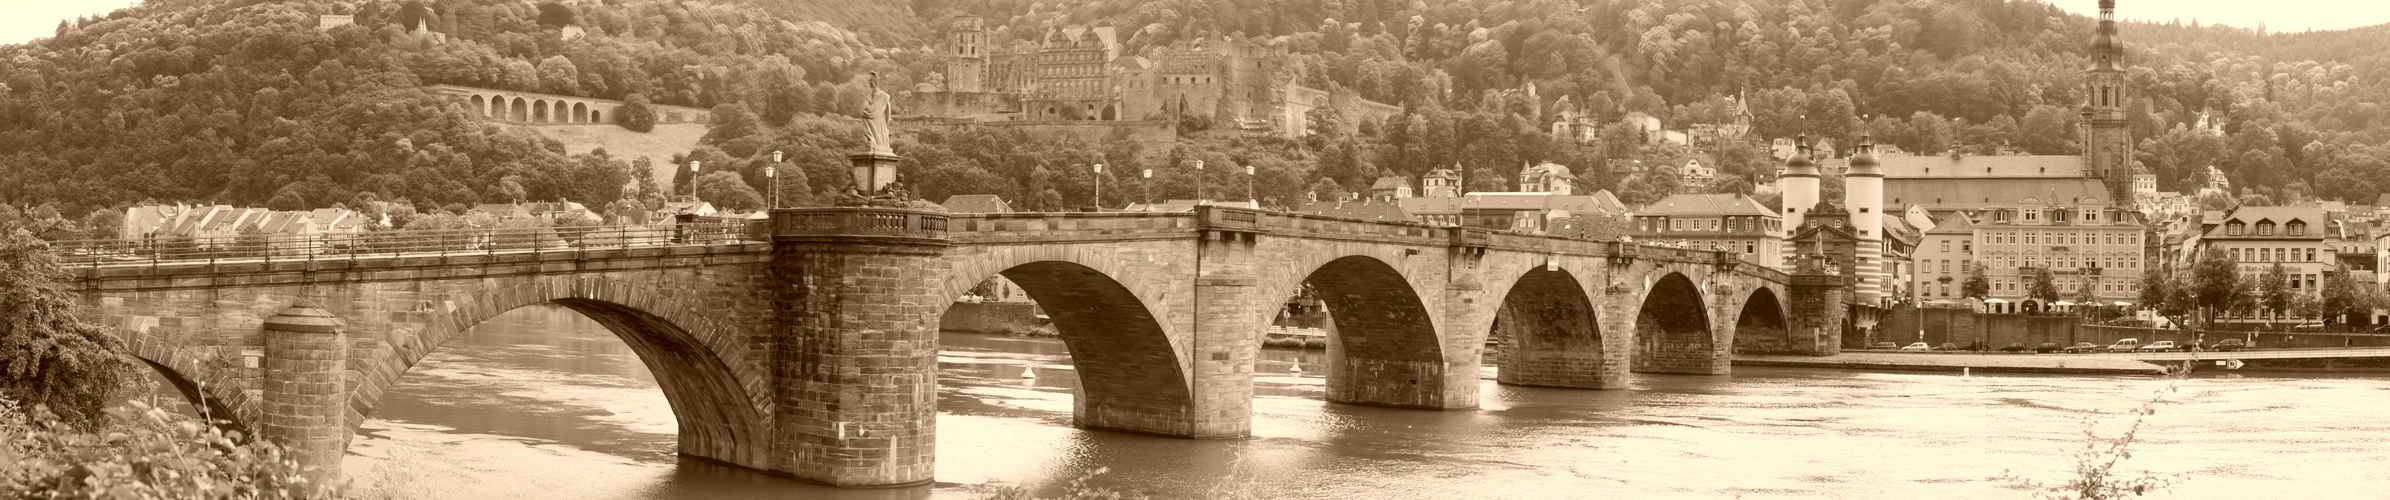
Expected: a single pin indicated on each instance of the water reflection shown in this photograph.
(541, 403)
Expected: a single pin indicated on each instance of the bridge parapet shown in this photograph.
(987, 228)
(859, 222)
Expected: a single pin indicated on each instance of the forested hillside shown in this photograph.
(244, 101)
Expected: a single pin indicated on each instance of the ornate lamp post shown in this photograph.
(1199, 182)
(772, 172)
(692, 180)
(1249, 182)
(1099, 187)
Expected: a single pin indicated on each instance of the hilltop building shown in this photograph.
(1083, 74)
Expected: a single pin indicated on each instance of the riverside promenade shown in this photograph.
(2081, 364)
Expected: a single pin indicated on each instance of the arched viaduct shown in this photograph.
(538, 108)
(813, 352)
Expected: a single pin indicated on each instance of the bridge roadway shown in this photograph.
(2315, 353)
(808, 346)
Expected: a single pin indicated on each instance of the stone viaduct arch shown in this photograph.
(206, 338)
(1111, 303)
(538, 108)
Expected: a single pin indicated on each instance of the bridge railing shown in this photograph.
(334, 246)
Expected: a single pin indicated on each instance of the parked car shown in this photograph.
(2014, 348)
(2159, 346)
(2310, 326)
(2229, 345)
(2046, 348)
(1885, 346)
(2083, 347)
(2125, 345)
(1946, 346)
(1920, 346)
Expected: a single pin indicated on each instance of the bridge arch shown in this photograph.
(223, 399)
(1762, 327)
(1552, 334)
(1131, 369)
(519, 110)
(580, 112)
(1383, 346)
(481, 107)
(1672, 329)
(539, 111)
(700, 363)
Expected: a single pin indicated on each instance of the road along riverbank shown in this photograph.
(1951, 362)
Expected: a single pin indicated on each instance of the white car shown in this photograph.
(2159, 346)
(1920, 346)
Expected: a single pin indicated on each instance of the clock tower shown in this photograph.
(2107, 148)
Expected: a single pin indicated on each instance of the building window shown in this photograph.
(2298, 228)
(2233, 229)
(2265, 228)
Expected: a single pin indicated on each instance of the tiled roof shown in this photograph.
(1939, 195)
(976, 204)
(1955, 223)
(2312, 216)
(1942, 166)
(1691, 204)
(1391, 182)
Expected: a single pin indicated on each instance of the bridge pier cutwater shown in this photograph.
(808, 347)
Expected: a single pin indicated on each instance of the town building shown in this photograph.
(1729, 222)
(2084, 243)
(1942, 260)
(2300, 239)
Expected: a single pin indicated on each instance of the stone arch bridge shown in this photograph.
(809, 347)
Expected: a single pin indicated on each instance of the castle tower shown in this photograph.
(966, 54)
(1863, 195)
(2106, 148)
(1799, 185)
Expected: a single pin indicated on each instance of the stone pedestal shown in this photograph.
(306, 395)
(1814, 325)
(855, 365)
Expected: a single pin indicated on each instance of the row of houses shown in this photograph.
(204, 222)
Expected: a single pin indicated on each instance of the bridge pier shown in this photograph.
(306, 390)
(855, 369)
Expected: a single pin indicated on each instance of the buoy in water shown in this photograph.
(1027, 372)
(1297, 368)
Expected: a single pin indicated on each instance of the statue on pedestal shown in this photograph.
(875, 120)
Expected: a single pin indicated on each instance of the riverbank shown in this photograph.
(1951, 362)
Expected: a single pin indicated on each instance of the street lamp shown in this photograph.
(1099, 187)
(1199, 182)
(1145, 185)
(692, 180)
(1249, 184)
(772, 172)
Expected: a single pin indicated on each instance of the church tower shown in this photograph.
(2107, 148)
(966, 54)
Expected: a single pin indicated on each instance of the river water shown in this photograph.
(542, 403)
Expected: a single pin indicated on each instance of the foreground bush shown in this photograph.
(139, 452)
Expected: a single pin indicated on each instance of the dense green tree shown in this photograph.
(47, 357)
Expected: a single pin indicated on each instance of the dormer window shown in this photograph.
(2297, 228)
(2233, 229)
(2265, 228)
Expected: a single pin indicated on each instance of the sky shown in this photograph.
(30, 19)
(2279, 16)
